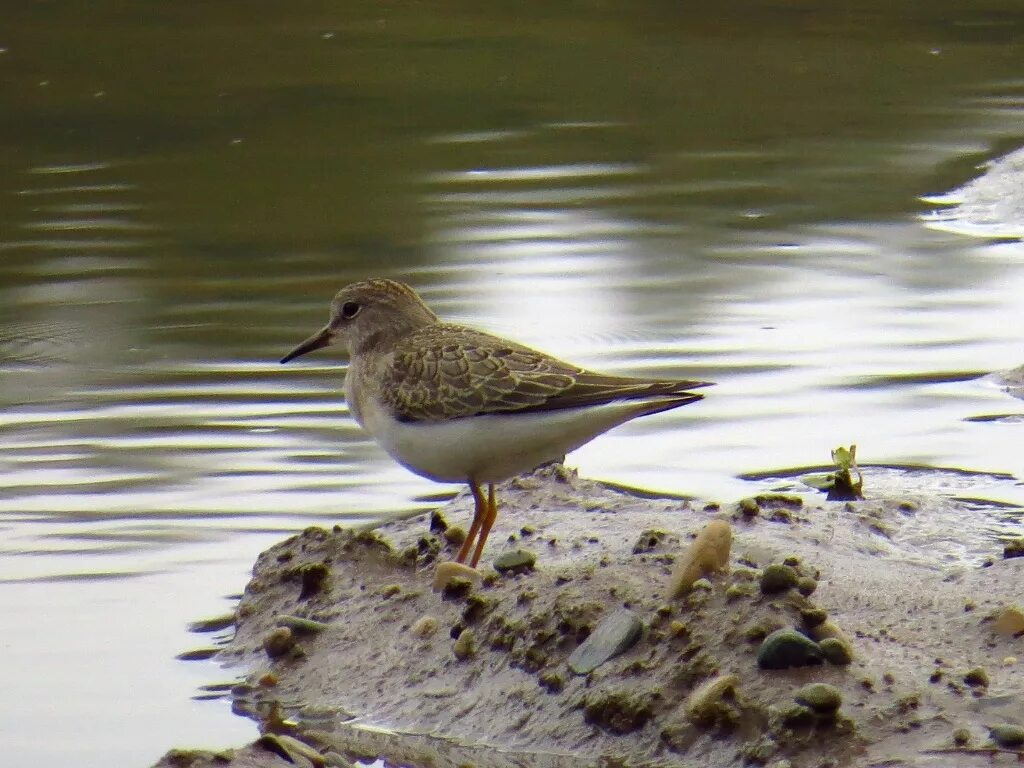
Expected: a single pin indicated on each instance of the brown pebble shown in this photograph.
(708, 553)
(278, 642)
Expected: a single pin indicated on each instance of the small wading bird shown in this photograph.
(458, 405)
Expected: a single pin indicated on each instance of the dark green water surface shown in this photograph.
(646, 188)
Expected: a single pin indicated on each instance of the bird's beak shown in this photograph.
(318, 340)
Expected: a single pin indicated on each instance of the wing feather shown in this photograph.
(446, 371)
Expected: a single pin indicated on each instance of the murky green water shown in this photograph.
(644, 189)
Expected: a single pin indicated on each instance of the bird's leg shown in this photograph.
(485, 529)
(479, 513)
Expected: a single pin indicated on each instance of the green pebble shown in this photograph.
(806, 585)
(299, 625)
(778, 578)
(515, 561)
(787, 648)
(823, 698)
(836, 651)
(1007, 735)
(812, 617)
(976, 678)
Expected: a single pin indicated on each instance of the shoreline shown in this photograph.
(480, 675)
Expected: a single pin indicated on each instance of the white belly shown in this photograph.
(489, 448)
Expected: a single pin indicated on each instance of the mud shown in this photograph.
(478, 674)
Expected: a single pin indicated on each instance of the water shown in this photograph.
(732, 195)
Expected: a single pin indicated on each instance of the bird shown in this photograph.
(456, 404)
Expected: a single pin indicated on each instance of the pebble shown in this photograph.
(786, 648)
(1007, 735)
(1013, 548)
(278, 642)
(823, 698)
(806, 585)
(749, 507)
(515, 561)
(425, 626)
(976, 678)
(702, 704)
(778, 578)
(465, 645)
(836, 651)
(615, 633)
(813, 617)
(300, 625)
(1010, 621)
(296, 747)
(708, 553)
(448, 570)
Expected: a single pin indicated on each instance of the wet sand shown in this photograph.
(478, 674)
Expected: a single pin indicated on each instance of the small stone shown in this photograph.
(455, 535)
(278, 642)
(300, 625)
(1010, 621)
(708, 553)
(748, 507)
(823, 698)
(267, 680)
(425, 626)
(300, 748)
(449, 570)
(1007, 735)
(813, 617)
(552, 682)
(437, 522)
(465, 645)
(1013, 548)
(961, 737)
(648, 541)
(778, 578)
(786, 648)
(976, 678)
(836, 651)
(515, 561)
(705, 703)
(806, 585)
(616, 633)
(272, 743)
(829, 628)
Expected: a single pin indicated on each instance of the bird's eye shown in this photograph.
(349, 310)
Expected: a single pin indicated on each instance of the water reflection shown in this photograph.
(184, 191)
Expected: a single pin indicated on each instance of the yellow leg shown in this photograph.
(485, 529)
(479, 513)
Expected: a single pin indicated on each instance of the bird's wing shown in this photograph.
(446, 371)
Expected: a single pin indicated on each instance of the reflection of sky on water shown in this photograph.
(695, 228)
